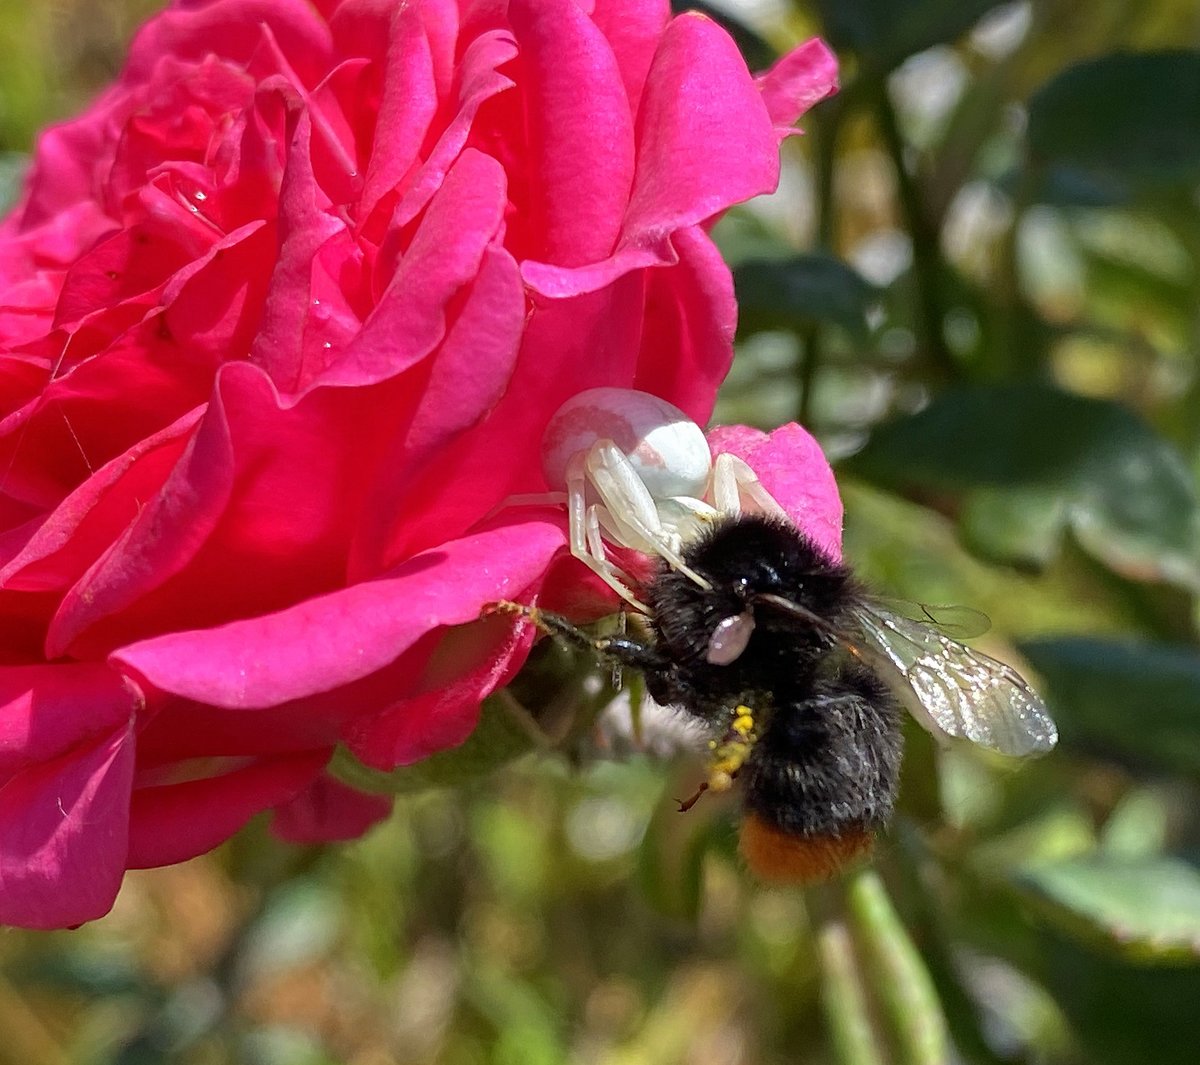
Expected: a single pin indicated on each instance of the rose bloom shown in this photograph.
(284, 313)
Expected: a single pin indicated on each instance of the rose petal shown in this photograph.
(794, 469)
(257, 514)
(46, 710)
(691, 312)
(568, 346)
(578, 135)
(159, 542)
(328, 810)
(479, 82)
(466, 380)
(305, 225)
(64, 832)
(233, 30)
(174, 822)
(633, 28)
(705, 142)
(445, 254)
(331, 640)
(798, 81)
(406, 108)
(474, 661)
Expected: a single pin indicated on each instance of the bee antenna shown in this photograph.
(795, 610)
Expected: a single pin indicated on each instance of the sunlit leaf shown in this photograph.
(1145, 909)
(1123, 491)
(894, 969)
(844, 998)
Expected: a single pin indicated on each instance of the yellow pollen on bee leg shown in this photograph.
(743, 721)
(719, 780)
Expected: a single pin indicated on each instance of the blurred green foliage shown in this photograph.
(979, 286)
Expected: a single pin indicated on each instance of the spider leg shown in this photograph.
(631, 508)
(733, 480)
(584, 532)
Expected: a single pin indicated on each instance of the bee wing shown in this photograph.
(955, 690)
(957, 622)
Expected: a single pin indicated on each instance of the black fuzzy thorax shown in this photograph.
(828, 763)
(741, 558)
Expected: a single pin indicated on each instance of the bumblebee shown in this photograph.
(795, 672)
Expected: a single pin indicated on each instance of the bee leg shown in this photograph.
(688, 803)
(618, 650)
(547, 623)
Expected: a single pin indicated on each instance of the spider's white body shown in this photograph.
(639, 474)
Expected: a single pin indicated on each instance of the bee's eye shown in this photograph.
(729, 639)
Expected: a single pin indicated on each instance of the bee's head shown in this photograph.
(755, 565)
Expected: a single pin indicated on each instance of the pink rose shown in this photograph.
(283, 316)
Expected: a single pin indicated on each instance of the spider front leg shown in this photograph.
(583, 524)
(631, 509)
(733, 479)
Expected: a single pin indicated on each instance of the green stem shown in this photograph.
(823, 130)
(906, 993)
(844, 999)
(928, 267)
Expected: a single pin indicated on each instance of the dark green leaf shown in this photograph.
(81, 972)
(1132, 117)
(886, 32)
(792, 294)
(1146, 909)
(1068, 186)
(1123, 1013)
(1014, 525)
(1089, 465)
(1124, 698)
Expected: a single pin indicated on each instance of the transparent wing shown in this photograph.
(957, 622)
(956, 691)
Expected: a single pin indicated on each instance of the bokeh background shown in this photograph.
(980, 287)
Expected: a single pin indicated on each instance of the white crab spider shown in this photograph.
(639, 474)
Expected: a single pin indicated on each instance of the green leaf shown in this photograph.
(1122, 1013)
(795, 293)
(1145, 909)
(886, 32)
(1020, 526)
(505, 731)
(1126, 117)
(1089, 465)
(1130, 699)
